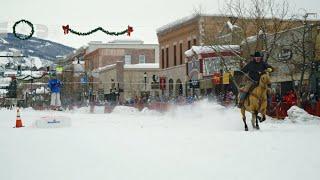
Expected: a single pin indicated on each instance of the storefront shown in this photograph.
(212, 68)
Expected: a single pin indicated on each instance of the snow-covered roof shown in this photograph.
(177, 22)
(4, 82)
(25, 75)
(100, 69)
(42, 90)
(29, 61)
(129, 66)
(126, 41)
(232, 26)
(3, 91)
(3, 41)
(250, 39)
(211, 49)
(142, 66)
(10, 73)
(186, 19)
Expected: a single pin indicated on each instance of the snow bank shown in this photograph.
(85, 110)
(125, 110)
(298, 115)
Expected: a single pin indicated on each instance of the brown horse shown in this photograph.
(256, 102)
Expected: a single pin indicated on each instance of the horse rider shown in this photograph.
(254, 68)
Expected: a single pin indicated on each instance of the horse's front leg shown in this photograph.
(243, 112)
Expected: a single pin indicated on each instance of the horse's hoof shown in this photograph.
(262, 119)
(259, 118)
(257, 127)
(246, 128)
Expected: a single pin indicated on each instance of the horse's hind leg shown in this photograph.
(243, 112)
(263, 118)
(257, 122)
(253, 120)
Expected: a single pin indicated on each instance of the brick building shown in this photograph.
(106, 66)
(176, 38)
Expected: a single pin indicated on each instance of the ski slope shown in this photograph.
(203, 141)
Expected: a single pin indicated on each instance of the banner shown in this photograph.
(226, 78)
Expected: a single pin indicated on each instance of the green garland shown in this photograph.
(23, 37)
(66, 30)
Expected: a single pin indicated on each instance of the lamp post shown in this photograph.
(145, 81)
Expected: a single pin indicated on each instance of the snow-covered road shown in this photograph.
(202, 141)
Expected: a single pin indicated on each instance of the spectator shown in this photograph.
(12, 89)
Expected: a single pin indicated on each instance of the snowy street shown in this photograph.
(206, 143)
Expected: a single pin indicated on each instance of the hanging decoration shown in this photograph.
(67, 29)
(23, 37)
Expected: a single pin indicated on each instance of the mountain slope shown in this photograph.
(35, 47)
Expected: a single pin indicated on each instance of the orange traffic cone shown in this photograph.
(18, 120)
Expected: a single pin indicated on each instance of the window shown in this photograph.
(180, 53)
(167, 57)
(142, 59)
(189, 44)
(127, 59)
(162, 58)
(194, 42)
(174, 55)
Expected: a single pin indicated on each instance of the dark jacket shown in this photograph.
(254, 69)
(12, 89)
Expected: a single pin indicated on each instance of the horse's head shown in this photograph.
(265, 77)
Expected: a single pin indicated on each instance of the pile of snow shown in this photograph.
(298, 115)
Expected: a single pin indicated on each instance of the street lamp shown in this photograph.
(145, 81)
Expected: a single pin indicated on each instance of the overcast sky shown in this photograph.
(144, 15)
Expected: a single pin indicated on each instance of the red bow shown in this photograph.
(65, 29)
(130, 30)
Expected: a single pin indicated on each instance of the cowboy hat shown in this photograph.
(257, 54)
